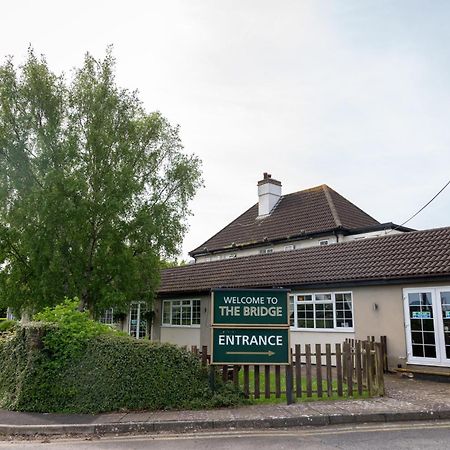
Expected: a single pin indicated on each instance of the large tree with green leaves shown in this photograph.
(94, 190)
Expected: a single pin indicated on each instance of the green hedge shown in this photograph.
(113, 372)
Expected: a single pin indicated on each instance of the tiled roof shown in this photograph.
(413, 255)
(311, 211)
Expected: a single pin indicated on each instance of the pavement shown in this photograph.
(405, 400)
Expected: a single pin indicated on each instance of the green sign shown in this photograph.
(250, 346)
(250, 307)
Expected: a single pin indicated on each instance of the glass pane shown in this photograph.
(291, 310)
(166, 313)
(304, 298)
(422, 324)
(176, 315)
(196, 312)
(322, 297)
(445, 305)
(186, 315)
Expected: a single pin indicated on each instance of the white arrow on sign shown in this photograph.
(269, 353)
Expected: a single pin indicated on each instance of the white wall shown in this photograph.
(304, 243)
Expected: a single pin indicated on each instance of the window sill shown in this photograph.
(325, 330)
(180, 326)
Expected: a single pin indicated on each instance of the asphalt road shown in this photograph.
(388, 436)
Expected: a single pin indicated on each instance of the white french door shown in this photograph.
(427, 324)
(137, 325)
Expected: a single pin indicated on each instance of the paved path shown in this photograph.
(406, 399)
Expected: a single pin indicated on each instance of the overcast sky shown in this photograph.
(354, 94)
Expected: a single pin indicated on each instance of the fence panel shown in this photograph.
(359, 367)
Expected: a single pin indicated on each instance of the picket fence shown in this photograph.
(355, 367)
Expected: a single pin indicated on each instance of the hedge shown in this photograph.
(114, 372)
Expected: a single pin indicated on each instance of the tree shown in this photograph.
(94, 191)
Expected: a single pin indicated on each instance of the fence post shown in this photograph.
(308, 370)
(349, 367)
(358, 368)
(289, 385)
(256, 377)
(225, 373)
(383, 340)
(246, 382)
(319, 370)
(339, 370)
(298, 371)
(369, 366)
(267, 381)
(329, 375)
(379, 368)
(204, 355)
(277, 381)
(236, 376)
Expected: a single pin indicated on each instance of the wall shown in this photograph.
(183, 335)
(386, 320)
(303, 243)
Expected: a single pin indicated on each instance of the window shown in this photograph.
(263, 251)
(137, 326)
(181, 312)
(288, 248)
(324, 242)
(319, 311)
(107, 317)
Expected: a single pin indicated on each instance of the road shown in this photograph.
(385, 436)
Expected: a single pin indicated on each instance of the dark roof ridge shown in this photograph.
(345, 198)
(333, 209)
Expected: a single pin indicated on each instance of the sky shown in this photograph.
(354, 94)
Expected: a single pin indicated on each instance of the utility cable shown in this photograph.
(423, 207)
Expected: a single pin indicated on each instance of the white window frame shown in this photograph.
(335, 329)
(170, 325)
(441, 359)
(105, 316)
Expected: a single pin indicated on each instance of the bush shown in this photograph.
(42, 369)
(7, 325)
(74, 329)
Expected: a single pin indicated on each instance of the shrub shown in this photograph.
(7, 325)
(42, 369)
(74, 329)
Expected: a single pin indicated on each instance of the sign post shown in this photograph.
(251, 326)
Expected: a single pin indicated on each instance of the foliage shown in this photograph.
(94, 191)
(115, 372)
(6, 325)
(74, 329)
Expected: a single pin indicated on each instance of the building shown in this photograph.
(349, 276)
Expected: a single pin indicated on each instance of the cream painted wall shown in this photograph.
(387, 320)
(181, 335)
(317, 337)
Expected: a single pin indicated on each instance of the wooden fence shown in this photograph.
(349, 369)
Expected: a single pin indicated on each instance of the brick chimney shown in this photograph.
(269, 192)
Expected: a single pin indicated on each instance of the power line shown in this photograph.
(423, 207)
